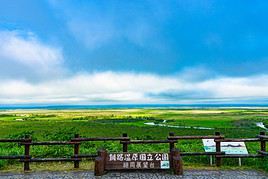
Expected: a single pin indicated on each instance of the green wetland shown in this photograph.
(48, 125)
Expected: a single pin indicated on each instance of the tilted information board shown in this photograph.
(227, 147)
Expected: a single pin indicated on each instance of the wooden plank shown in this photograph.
(194, 137)
(263, 136)
(125, 145)
(201, 153)
(262, 152)
(241, 156)
(218, 149)
(50, 160)
(11, 140)
(171, 145)
(238, 140)
(148, 141)
(54, 143)
(101, 139)
(177, 165)
(76, 151)
(99, 166)
(26, 165)
(85, 156)
(12, 157)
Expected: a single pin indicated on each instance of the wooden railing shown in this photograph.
(172, 139)
(262, 138)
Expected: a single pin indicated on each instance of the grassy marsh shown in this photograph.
(45, 125)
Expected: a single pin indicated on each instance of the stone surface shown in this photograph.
(188, 174)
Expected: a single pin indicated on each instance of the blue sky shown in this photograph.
(146, 51)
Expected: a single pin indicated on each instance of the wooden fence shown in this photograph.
(172, 139)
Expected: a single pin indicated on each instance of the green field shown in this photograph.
(45, 125)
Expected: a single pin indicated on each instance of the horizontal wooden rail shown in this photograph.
(12, 157)
(241, 156)
(262, 152)
(11, 140)
(201, 153)
(85, 156)
(238, 140)
(148, 142)
(100, 139)
(53, 143)
(263, 136)
(194, 137)
(50, 160)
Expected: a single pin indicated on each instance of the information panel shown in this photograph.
(227, 147)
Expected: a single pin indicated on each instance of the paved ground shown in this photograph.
(189, 174)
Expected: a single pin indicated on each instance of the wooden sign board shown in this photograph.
(138, 161)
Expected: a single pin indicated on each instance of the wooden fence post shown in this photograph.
(176, 162)
(27, 144)
(263, 143)
(171, 144)
(100, 163)
(125, 145)
(76, 152)
(218, 149)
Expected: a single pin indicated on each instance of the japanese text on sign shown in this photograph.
(141, 160)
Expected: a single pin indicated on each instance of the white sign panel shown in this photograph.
(164, 165)
(227, 147)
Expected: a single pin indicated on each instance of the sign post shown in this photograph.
(138, 161)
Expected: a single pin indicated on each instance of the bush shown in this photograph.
(64, 134)
(22, 135)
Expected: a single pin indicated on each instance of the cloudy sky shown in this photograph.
(140, 51)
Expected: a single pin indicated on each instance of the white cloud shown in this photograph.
(245, 87)
(22, 55)
(112, 87)
(29, 71)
